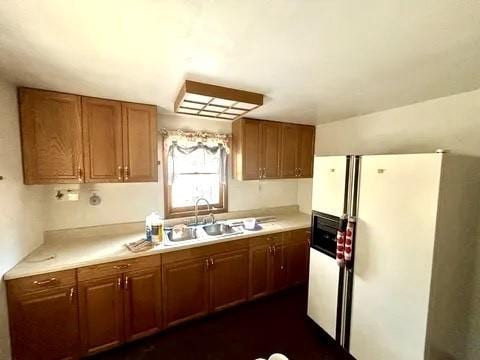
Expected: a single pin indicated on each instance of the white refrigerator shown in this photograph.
(405, 294)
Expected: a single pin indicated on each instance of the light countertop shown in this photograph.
(78, 247)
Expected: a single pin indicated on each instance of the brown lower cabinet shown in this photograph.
(278, 261)
(125, 300)
(214, 280)
(119, 307)
(43, 312)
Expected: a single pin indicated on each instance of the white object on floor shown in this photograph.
(277, 357)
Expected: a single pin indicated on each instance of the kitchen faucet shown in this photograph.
(208, 208)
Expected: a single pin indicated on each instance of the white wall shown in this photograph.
(132, 202)
(449, 123)
(21, 216)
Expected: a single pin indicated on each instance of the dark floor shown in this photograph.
(253, 330)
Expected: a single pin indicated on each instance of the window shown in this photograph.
(195, 168)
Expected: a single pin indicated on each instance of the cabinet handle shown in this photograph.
(120, 267)
(120, 172)
(264, 173)
(45, 282)
(72, 291)
(126, 172)
(259, 173)
(119, 283)
(211, 261)
(300, 171)
(80, 173)
(274, 247)
(207, 264)
(269, 250)
(126, 283)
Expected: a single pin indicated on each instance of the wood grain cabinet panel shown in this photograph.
(185, 290)
(279, 268)
(102, 140)
(228, 279)
(51, 128)
(69, 138)
(270, 149)
(252, 151)
(297, 262)
(290, 145)
(101, 314)
(139, 142)
(142, 303)
(260, 270)
(306, 150)
(44, 325)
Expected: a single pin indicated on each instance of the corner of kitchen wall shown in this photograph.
(21, 214)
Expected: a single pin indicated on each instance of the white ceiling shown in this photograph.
(315, 60)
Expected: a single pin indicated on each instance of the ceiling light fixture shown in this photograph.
(214, 101)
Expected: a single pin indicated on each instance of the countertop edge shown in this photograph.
(11, 275)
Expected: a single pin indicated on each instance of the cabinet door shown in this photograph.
(102, 140)
(270, 149)
(45, 325)
(297, 258)
(142, 303)
(101, 314)
(279, 265)
(139, 142)
(306, 150)
(185, 290)
(228, 279)
(260, 270)
(251, 152)
(289, 150)
(51, 129)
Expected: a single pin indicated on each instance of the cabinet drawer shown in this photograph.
(117, 267)
(202, 251)
(41, 282)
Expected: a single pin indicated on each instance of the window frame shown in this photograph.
(188, 211)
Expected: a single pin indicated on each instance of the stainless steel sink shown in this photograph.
(218, 229)
(188, 234)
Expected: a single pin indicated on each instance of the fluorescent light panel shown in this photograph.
(215, 101)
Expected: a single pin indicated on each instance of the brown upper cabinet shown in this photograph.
(297, 151)
(74, 139)
(272, 150)
(51, 125)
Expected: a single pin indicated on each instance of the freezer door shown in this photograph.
(393, 256)
(322, 291)
(329, 184)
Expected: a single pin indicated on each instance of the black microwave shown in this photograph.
(324, 233)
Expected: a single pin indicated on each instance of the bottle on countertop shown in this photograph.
(154, 228)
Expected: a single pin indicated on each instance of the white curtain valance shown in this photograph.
(187, 139)
(210, 147)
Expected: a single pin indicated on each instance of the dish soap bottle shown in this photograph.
(154, 228)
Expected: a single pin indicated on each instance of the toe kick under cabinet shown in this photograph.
(79, 312)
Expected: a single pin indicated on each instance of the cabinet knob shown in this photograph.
(126, 283)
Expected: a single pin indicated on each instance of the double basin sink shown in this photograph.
(216, 229)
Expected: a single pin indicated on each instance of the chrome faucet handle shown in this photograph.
(212, 217)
